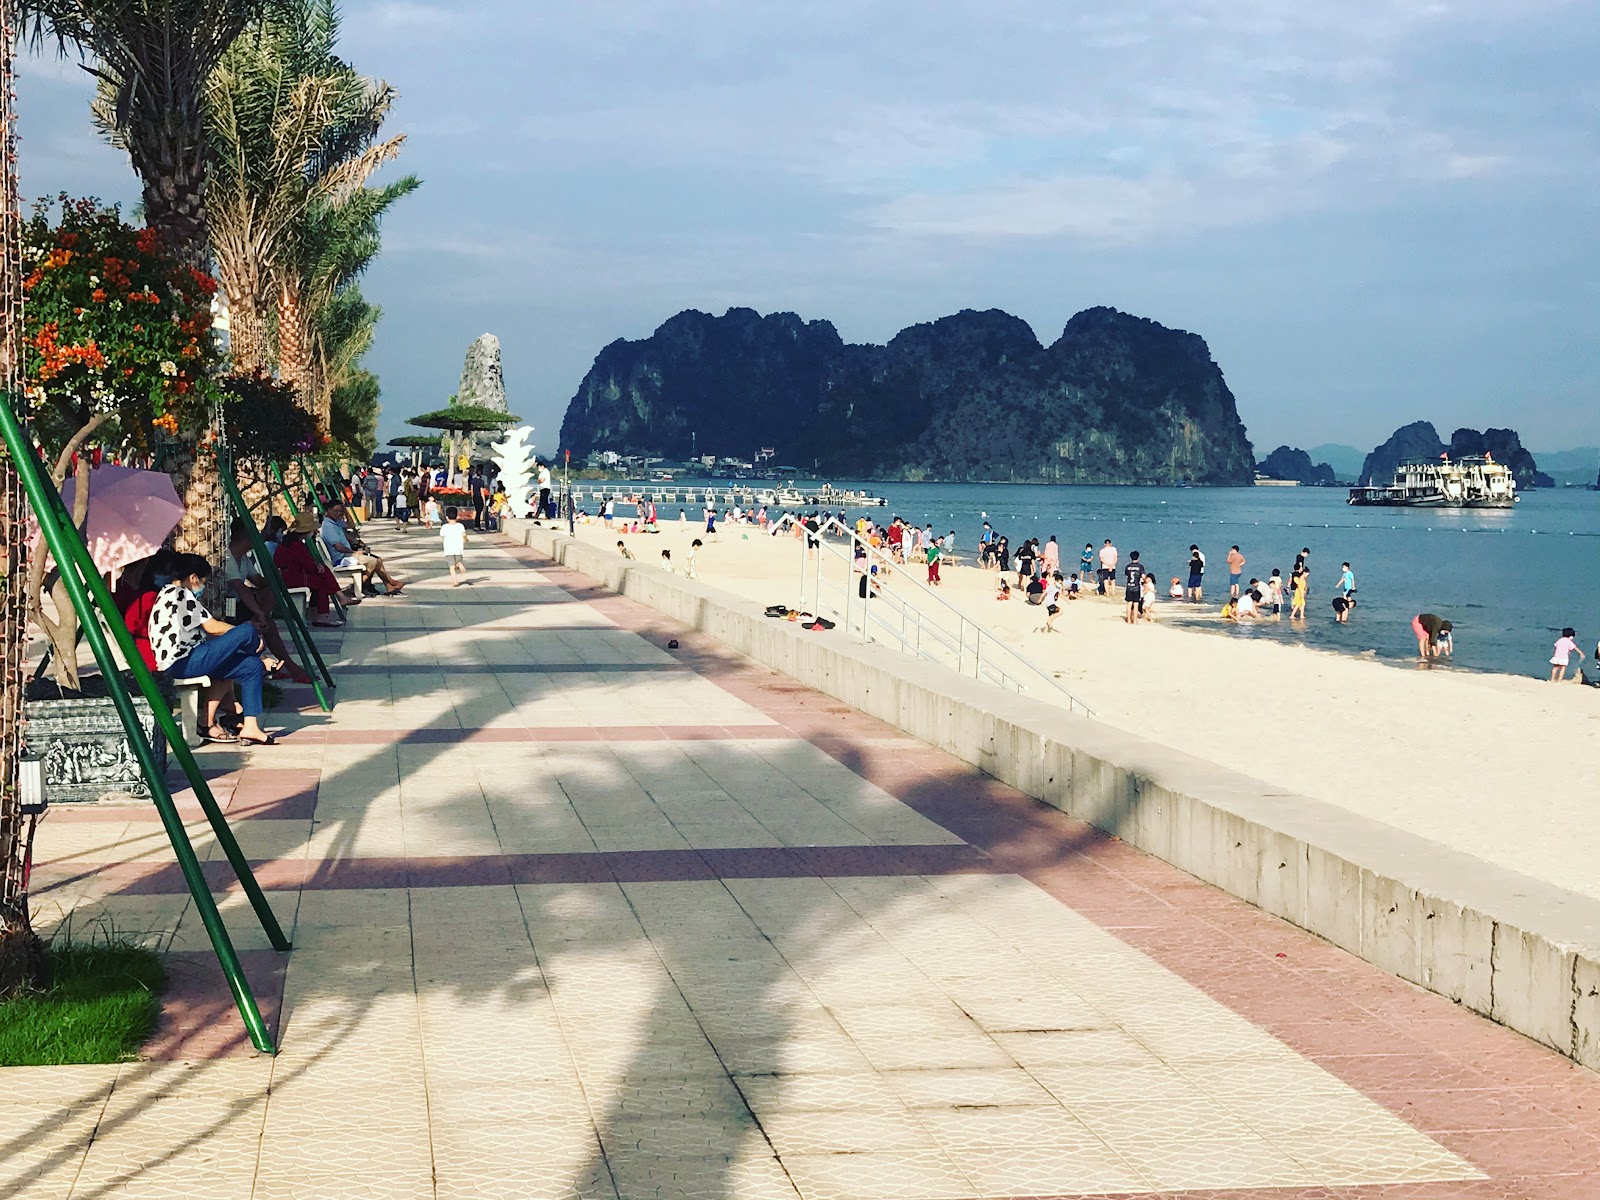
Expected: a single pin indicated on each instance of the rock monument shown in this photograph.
(482, 382)
(514, 460)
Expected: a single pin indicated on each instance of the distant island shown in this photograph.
(1291, 463)
(971, 397)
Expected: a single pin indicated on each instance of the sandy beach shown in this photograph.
(1504, 768)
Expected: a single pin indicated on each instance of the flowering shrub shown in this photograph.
(263, 421)
(114, 326)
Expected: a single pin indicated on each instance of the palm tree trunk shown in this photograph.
(293, 367)
(169, 156)
(204, 529)
(21, 952)
(247, 332)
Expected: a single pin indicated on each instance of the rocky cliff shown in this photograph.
(974, 396)
(1293, 463)
(1421, 440)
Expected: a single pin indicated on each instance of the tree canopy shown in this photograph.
(465, 418)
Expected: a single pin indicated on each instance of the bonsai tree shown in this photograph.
(458, 420)
(416, 443)
(117, 352)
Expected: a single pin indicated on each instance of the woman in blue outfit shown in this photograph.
(188, 642)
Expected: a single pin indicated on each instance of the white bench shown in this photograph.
(230, 603)
(357, 576)
(189, 706)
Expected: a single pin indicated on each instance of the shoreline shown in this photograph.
(1404, 747)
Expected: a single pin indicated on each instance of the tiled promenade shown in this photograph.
(578, 915)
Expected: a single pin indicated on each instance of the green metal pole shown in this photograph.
(151, 691)
(269, 570)
(72, 559)
(277, 473)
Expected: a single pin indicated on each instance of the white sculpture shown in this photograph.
(514, 459)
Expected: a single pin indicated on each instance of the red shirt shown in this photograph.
(137, 618)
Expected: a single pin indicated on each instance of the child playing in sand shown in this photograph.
(453, 540)
(1566, 647)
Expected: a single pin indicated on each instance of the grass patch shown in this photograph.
(101, 1003)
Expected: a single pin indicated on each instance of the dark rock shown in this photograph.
(1417, 440)
(1292, 463)
(1420, 440)
(1116, 399)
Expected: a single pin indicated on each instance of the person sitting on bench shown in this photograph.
(349, 551)
(189, 642)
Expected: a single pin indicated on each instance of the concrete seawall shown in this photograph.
(1508, 946)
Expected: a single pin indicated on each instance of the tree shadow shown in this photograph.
(642, 1006)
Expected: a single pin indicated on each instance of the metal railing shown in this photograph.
(909, 615)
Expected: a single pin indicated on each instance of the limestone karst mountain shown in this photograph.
(974, 396)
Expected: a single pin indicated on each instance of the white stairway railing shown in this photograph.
(905, 613)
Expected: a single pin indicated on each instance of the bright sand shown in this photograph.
(1503, 768)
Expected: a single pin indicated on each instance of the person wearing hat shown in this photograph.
(300, 568)
(348, 551)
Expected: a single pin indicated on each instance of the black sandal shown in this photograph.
(269, 739)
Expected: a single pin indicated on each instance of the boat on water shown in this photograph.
(1468, 482)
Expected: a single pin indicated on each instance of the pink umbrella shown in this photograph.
(130, 513)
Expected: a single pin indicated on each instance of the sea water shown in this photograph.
(1509, 579)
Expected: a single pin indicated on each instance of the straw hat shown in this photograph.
(304, 522)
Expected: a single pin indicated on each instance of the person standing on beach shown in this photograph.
(1086, 562)
(544, 491)
(1347, 580)
(1108, 567)
(1297, 596)
(1197, 571)
(933, 561)
(1236, 562)
(711, 519)
(1275, 590)
(1052, 556)
(1566, 647)
(1134, 591)
(1303, 562)
(1025, 557)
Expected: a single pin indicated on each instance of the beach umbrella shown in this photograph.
(131, 513)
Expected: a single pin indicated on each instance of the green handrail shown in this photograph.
(269, 570)
(77, 570)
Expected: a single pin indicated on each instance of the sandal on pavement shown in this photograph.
(218, 734)
(244, 739)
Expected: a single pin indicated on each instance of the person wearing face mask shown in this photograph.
(188, 641)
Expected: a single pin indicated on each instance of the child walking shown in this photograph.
(453, 539)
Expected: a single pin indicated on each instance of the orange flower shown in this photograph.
(98, 295)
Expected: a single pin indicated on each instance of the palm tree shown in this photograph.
(336, 242)
(292, 128)
(152, 58)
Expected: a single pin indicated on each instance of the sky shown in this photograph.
(1373, 212)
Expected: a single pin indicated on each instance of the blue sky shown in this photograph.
(1373, 212)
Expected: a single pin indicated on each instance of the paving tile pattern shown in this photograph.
(579, 916)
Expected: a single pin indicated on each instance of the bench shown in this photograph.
(189, 706)
(230, 603)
